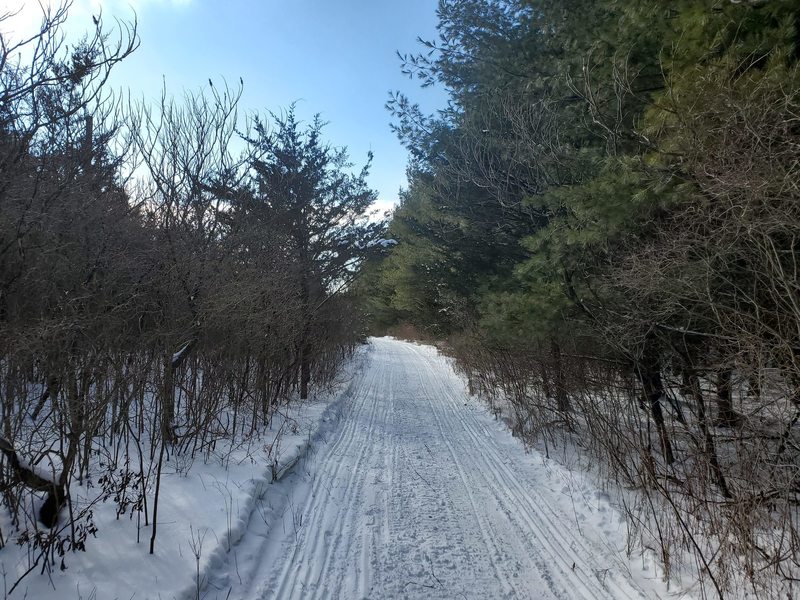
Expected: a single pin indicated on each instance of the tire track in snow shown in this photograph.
(309, 571)
(415, 496)
(490, 538)
(550, 529)
(480, 466)
(354, 518)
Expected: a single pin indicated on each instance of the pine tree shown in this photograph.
(305, 188)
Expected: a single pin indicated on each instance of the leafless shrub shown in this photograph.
(147, 315)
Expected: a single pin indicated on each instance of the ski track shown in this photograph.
(415, 495)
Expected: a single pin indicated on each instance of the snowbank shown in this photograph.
(204, 509)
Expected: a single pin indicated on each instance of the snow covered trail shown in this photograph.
(418, 493)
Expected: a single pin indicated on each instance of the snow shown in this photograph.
(204, 509)
(383, 243)
(177, 358)
(399, 485)
(49, 468)
(420, 493)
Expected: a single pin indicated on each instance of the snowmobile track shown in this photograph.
(418, 493)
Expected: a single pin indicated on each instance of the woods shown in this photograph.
(603, 223)
(171, 275)
(601, 228)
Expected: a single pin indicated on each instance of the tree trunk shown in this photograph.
(726, 416)
(693, 384)
(48, 513)
(562, 400)
(305, 371)
(649, 373)
(168, 401)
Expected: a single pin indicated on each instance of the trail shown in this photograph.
(416, 492)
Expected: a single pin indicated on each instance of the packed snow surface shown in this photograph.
(416, 491)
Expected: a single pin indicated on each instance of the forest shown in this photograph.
(170, 275)
(603, 228)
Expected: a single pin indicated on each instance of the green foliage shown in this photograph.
(420, 277)
(565, 150)
(304, 187)
(628, 172)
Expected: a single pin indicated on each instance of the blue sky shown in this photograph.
(333, 57)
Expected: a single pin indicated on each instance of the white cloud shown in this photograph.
(24, 17)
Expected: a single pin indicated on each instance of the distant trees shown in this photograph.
(627, 172)
(165, 282)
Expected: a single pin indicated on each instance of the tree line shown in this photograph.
(170, 275)
(603, 223)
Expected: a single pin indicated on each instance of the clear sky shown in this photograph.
(333, 57)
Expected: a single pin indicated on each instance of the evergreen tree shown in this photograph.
(629, 170)
(305, 188)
